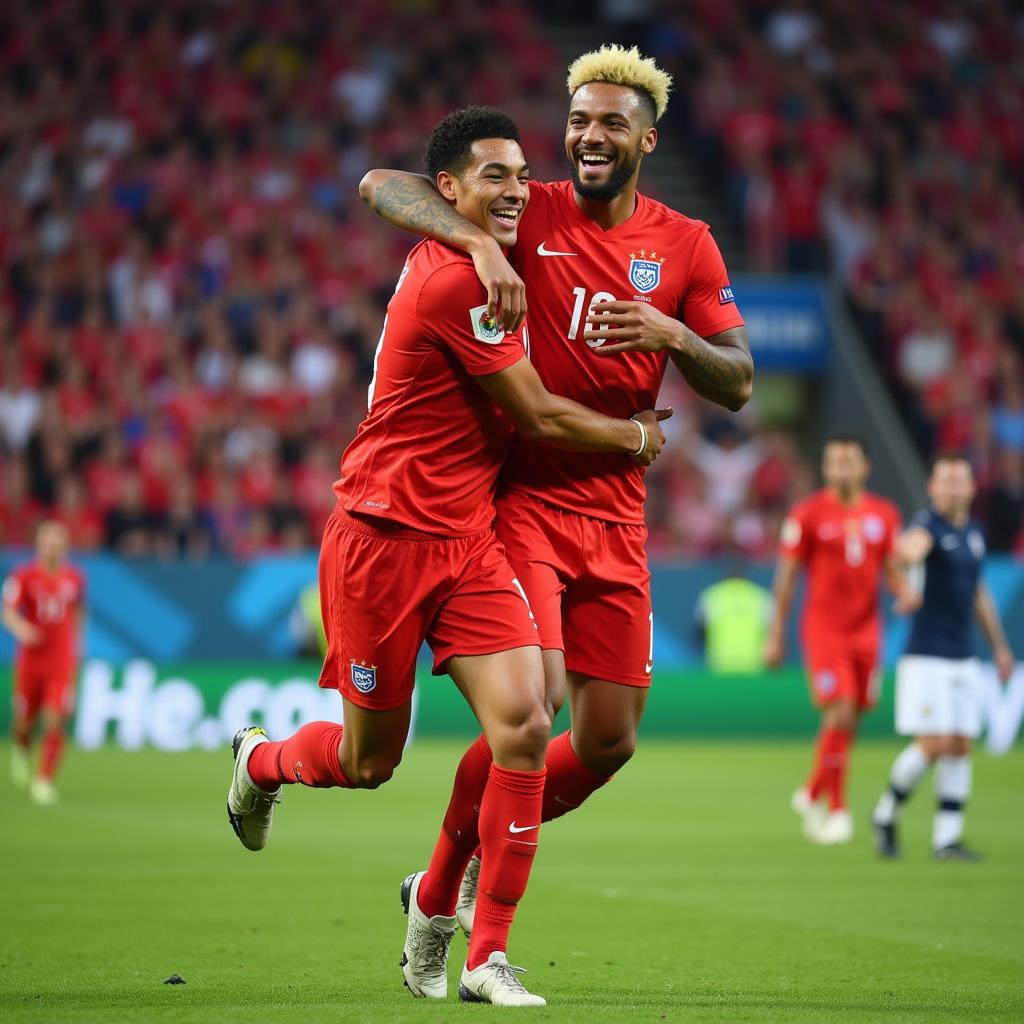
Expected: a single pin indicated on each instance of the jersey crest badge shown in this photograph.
(364, 677)
(874, 528)
(485, 327)
(645, 271)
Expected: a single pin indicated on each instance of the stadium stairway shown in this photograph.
(670, 175)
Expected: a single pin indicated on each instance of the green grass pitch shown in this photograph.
(682, 892)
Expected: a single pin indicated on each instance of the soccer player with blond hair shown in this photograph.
(619, 285)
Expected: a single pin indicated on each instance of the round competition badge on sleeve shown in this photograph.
(485, 327)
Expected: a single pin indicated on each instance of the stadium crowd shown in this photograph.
(886, 139)
(192, 294)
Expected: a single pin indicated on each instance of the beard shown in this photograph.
(617, 180)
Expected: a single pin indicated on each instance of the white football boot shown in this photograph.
(250, 809)
(425, 956)
(43, 792)
(836, 828)
(465, 908)
(811, 812)
(21, 767)
(495, 982)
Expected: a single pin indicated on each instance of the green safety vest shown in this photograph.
(736, 616)
(309, 602)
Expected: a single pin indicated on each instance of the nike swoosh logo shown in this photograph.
(542, 250)
(514, 828)
(648, 667)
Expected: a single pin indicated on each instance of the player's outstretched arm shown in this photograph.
(412, 203)
(988, 618)
(23, 631)
(551, 419)
(783, 590)
(718, 368)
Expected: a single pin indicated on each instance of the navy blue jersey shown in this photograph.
(942, 626)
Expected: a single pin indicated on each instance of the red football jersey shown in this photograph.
(568, 264)
(429, 451)
(844, 549)
(48, 600)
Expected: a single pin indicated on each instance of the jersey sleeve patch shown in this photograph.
(791, 532)
(12, 590)
(485, 327)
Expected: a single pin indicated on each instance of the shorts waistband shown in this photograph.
(387, 529)
(515, 494)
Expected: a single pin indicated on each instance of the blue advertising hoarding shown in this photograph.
(788, 322)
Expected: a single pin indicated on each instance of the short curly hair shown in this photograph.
(450, 144)
(618, 66)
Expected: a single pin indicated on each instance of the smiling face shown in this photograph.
(610, 128)
(491, 190)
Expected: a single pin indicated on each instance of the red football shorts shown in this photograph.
(384, 589)
(588, 584)
(39, 684)
(839, 669)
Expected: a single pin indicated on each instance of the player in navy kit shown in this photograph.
(937, 700)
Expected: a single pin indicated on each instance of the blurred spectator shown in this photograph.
(901, 148)
(192, 293)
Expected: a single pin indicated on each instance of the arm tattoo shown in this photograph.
(719, 373)
(413, 204)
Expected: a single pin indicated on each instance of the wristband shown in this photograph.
(643, 437)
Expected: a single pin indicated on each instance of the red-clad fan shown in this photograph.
(43, 603)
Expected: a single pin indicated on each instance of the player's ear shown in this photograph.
(649, 141)
(446, 185)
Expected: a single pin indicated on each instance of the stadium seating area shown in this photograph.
(887, 138)
(192, 292)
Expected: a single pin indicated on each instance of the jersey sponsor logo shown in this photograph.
(645, 271)
(364, 677)
(485, 327)
(543, 250)
(725, 295)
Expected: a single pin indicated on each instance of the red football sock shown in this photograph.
(310, 757)
(53, 747)
(569, 780)
(829, 774)
(837, 761)
(460, 833)
(816, 780)
(509, 831)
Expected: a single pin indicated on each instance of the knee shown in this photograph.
(605, 754)
(525, 737)
(959, 746)
(371, 772)
(843, 716)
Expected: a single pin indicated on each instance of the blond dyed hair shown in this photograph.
(616, 65)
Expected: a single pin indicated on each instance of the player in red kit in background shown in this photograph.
(619, 285)
(844, 537)
(43, 603)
